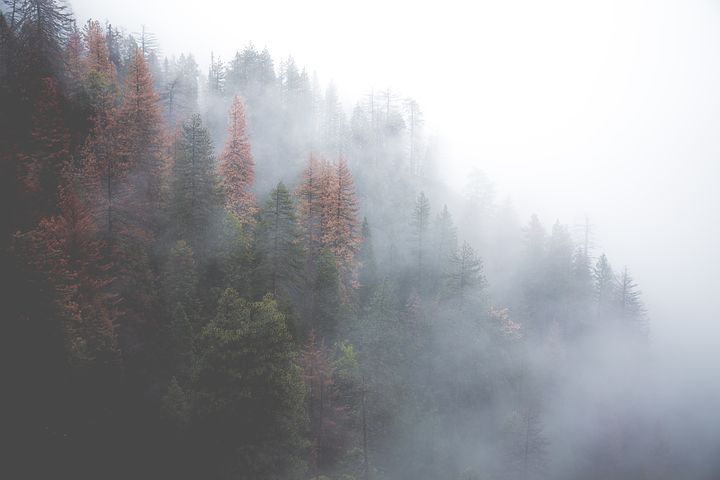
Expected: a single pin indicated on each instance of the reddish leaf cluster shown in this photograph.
(328, 213)
(237, 167)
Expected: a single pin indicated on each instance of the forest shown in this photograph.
(226, 274)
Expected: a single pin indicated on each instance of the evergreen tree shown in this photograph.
(177, 344)
(628, 300)
(465, 281)
(236, 256)
(444, 244)
(278, 242)
(420, 220)
(64, 247)
(43, 27)
(249, 391)
(367, 277)
(194, 192)
(180, 278)
(216, 75)
(48, 154)
(328, 415)
(533, 275)
(325, 296)
(604, 282)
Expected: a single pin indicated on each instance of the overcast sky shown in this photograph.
(610, 109)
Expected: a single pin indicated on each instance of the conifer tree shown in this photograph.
(65, 248)
(103, 173)
(328, 415)
(237, 257)
(279, 242)
(444, 243)
(180, 278)
(194, 192)
(48, 155)
(367, 276)
(420, 224)
(43, 27)
(466, 280)
(339, 221)
(237, 167)
(628, 299)
(604, 280)
(143, 141)
(249, 390)
(310, 193)
(97, 64)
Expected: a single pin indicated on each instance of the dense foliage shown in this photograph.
(222, 276)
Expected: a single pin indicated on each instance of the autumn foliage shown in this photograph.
(237, 167)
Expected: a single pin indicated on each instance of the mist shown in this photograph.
(497, 155)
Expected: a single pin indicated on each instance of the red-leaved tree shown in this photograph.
(237, 167)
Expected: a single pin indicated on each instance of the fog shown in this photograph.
(600, 112)
(608, 110)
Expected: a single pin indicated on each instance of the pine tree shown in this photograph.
(325, 295)
(249, 390)
(310, 194)
(48, 155)
(558, 275)
(466, 280)
(339, 222)
(194, 192)
(604, 280)
(64, 247)
(237, 167)
(143, 141)
(73, 61)
(180, 278)
(103, 173)
(43, 27)
(420, 221)
(327, 413)
(628, 299)
(533, 273)
(237, 257)
(367, 276)
(279, 242)
(444, 243)
(216, 75)
(99, 70)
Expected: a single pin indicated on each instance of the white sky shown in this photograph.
(606, 108)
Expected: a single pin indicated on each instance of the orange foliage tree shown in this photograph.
(237, 167)
(144, 141)
(340, 231)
